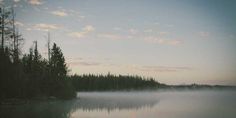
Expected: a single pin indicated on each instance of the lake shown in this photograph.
(161, 104)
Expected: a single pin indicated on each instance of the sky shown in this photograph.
(174, 41)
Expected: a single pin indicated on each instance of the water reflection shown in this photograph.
(86, 101)
(118, 100)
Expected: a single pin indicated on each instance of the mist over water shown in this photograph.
(116, 100)
(161, 104)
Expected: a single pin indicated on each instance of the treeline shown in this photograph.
(33, 76)
(111, 82)
(200, 86)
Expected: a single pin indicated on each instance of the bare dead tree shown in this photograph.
(3, 23)
(48, 44)
(9, 32)
(16, 36)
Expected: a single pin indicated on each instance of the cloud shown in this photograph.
(80, 62)
(77, 58)
(133, 31)
(204, 34)
(148, 31)
(1, 2)
(164, 68)
(62, 12)
(74, 13)
(156, 23)
(16, 3)
(35, 2)
(174, 42)
(89, 63)
(19, 23)
(162, 40)
(77, 34)
(45, 27)
(117, 28)
(170, 25)
(87, 29)
(163, 33)
(110, 36)
(16, 0)
(159, 68)
(59, 13)
(81, 17)
(29, 29)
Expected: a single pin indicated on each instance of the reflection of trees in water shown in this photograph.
(63, 109)
(45, 109)
(110, 103)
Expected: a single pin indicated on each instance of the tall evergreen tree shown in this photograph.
(62, 86)
(58, 65)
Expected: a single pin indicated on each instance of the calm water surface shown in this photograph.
(166, 104)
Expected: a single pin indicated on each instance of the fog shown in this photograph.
(116, 100)
(150, 104)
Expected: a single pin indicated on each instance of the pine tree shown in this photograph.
(62, 87)
(58, 65)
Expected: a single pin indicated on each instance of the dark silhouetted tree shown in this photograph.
(58, 65)
(62, 87)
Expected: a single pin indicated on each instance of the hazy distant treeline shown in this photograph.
(112, 82)
(200, 86)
